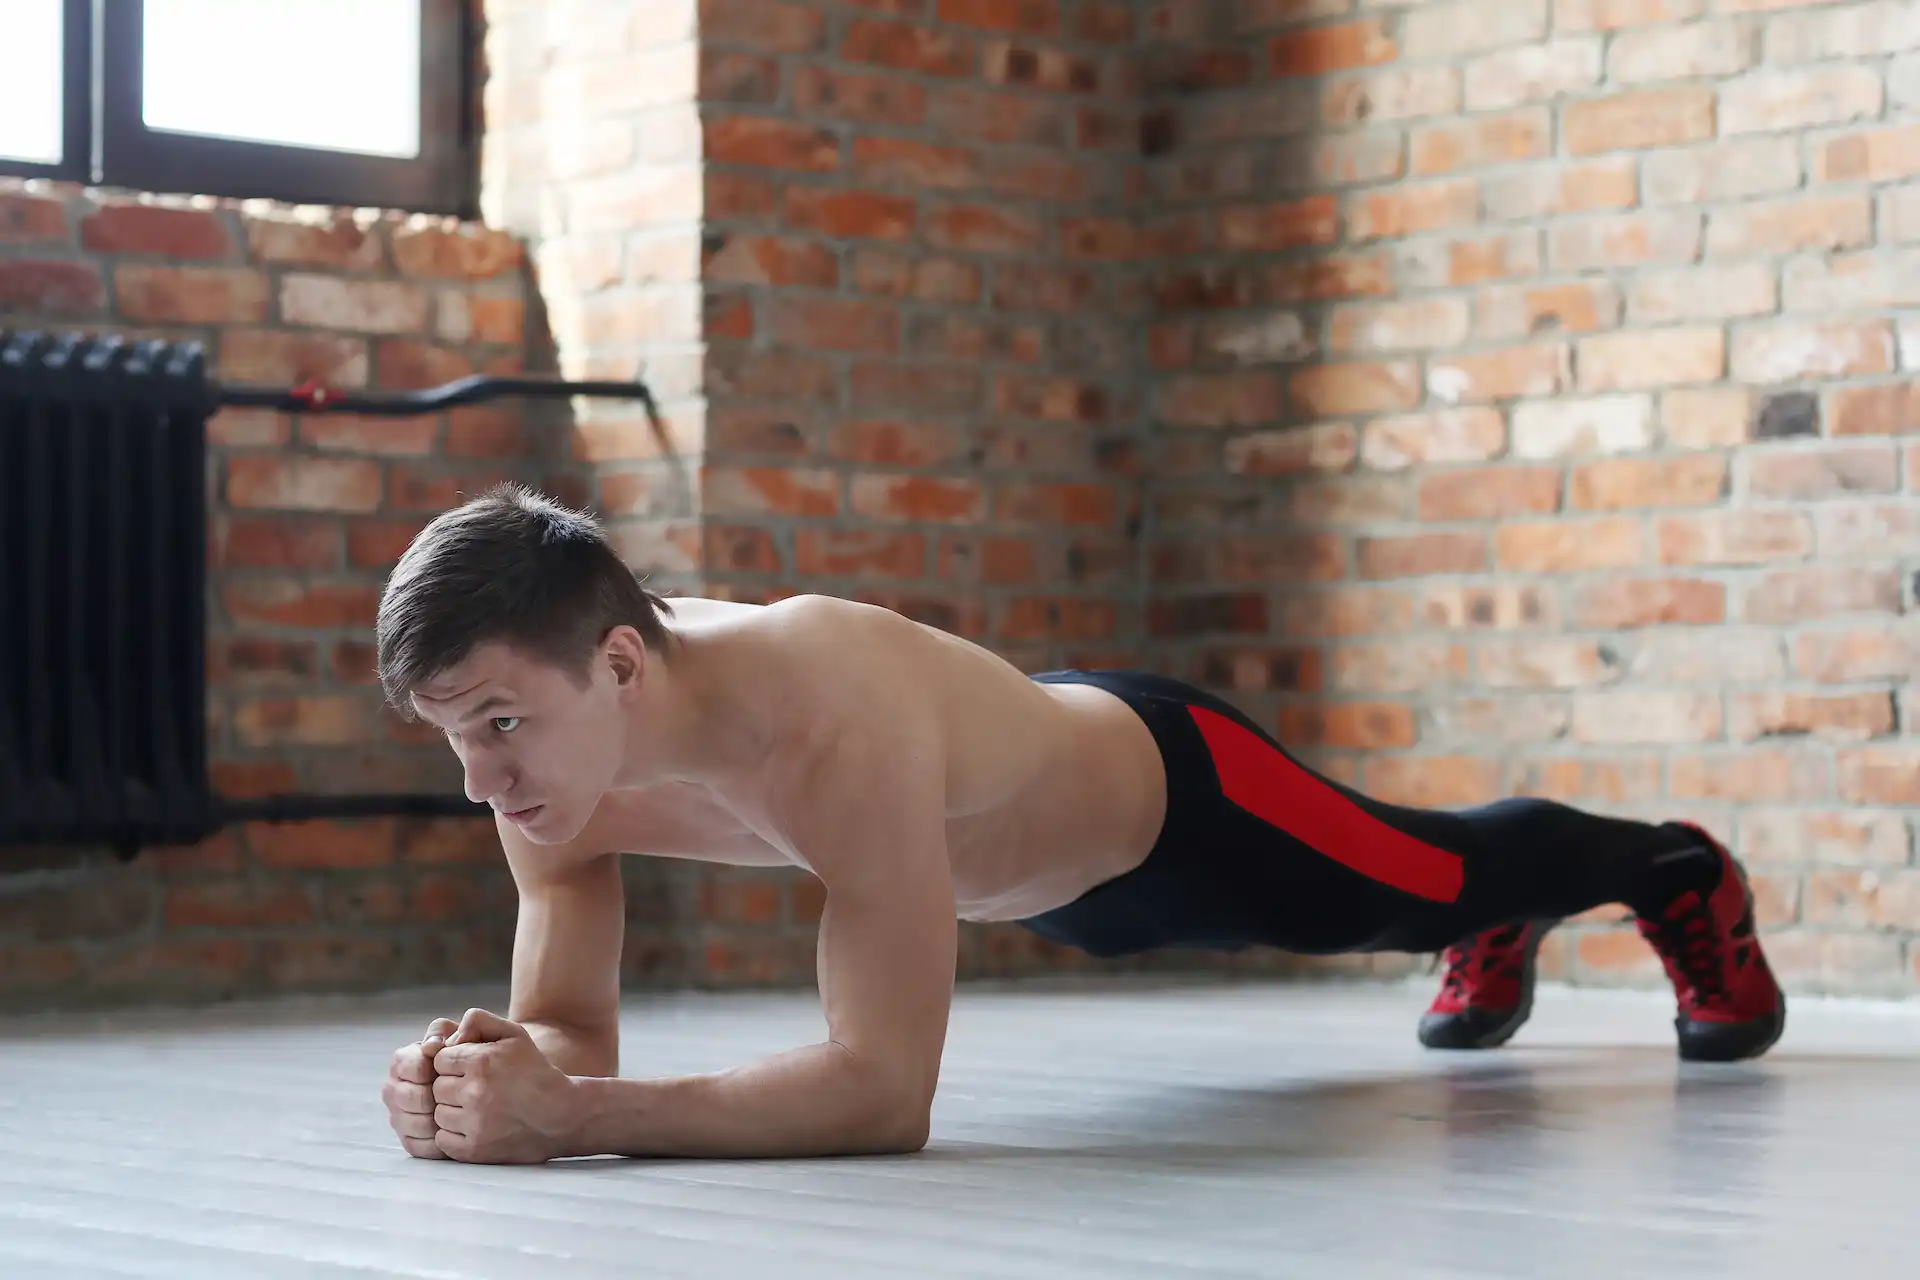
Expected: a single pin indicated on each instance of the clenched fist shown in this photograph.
(408, 1091)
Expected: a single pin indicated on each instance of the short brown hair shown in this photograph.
(510, 566)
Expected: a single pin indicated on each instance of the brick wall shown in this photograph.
(307, 515)
(1508, 396)
(1532, 392)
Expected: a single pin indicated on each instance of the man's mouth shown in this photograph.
(522, 815)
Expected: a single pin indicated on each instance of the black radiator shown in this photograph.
(103, 538)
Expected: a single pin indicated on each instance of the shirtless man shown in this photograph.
(923, 780)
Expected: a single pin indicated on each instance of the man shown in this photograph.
(924, 780)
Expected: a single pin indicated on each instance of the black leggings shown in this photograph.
(1257, 849)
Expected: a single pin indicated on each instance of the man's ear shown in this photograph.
(626, 656)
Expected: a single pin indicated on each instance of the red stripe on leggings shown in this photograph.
(1278, 791)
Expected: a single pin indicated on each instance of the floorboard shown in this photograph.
(1172, 1130)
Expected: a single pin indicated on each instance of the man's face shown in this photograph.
(537, 746)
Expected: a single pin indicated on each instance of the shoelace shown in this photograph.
(1463, 958)
(1690, 937)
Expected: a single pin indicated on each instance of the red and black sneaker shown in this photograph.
(1488, 989)
(1730, 1006)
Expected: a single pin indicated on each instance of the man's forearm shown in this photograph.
(816, 1101)
(578, 1052)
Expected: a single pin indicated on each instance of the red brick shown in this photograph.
(1409, 210)
(1432, 781)
(1531, 73)
(467, 317)
(980, 229)
(354, 433)
(1495, 257)
(846, 214)
(920, 499)
(1874, 411)
(189, 234)
(192, 295)
(1502, 607)
(445, 250)
(1790, 226)
(1025, 17)
(1329, 447)
(1249, 399)
(1260, 670)
(52, 288)
(1057, 70)
(886, 443)
(31, 219)
(1317, 51)
(1503, 374)
(1551, 663)
(1790, 352)
(1795, 595)
(1382, 96)
(478, 431)
(304, 484)
(1707, 419)
(762, 24)
(1826, 473)
(1854, 529)
(1515, 311)
(740, 549)
(725, 76)
(989, 560)
(1276, 227)
(983, 338)
(1836, 717)
(1879, 652)
(773, 490)
(1324, 279)
(1622, 240)
(1091, 504)
(836, 324)
(256, 661)
(1621, 483)
(1622, 603)
(913, 388)
(1703, 293)
(363, 306)
(1881, 155)
(729, 194)
(277, 544)
(273, 358)
(1618, 717)
(248, 428)
(1569, 546)
(1734, 537)
(1057, 618)
(1614, 780)
(826, 93)
(1655, 358)
(1541, 191)
(1482, 141)
(1489, 493)
(904, 47)
(772, 144)
(355, 662)
(896, 275)
(1420, 324)
(1399, 666)
(313, 237)
(1887, 775)
(239, 779)
(1632, 121)
(1418, 555)
(860, 553)
(1362, 726)
(905, 162)
(1042, 288)
(1449, 435)
(1331, 390)
(237, 905)
(322, 720)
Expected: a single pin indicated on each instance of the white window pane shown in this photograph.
(339, 75)
(30, 85)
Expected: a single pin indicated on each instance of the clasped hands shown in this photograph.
(479, 1092)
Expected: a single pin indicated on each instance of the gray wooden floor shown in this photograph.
(1139, 1132)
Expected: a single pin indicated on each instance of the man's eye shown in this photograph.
(506, 724)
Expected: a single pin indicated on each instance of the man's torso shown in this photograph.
(1050, 788)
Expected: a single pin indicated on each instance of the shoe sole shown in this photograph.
(1503, 1032)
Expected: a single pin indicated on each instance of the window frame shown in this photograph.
(109, 144)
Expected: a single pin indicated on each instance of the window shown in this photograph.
(340, 102)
